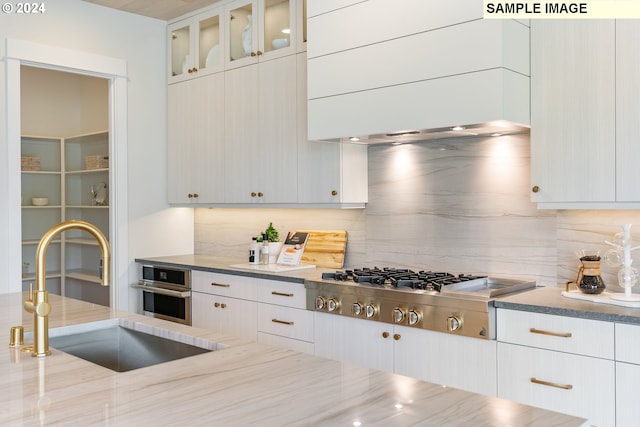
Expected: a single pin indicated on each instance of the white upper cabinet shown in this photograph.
(260, 132)
(585, 100)
(196, 126)
(627, 110)
(328, 172)
(195, 46)
(259, 30)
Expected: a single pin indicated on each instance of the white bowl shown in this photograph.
(280, 43)
(39, 201)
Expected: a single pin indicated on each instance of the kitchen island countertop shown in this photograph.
(245, 384)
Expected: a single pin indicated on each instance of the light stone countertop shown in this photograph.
(245, 384)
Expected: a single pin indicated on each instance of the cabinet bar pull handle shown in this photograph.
(555, 334)
(280, 294)
(284, 322)
(550, 384)
(222, 285)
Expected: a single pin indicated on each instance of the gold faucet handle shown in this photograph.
(43, 309)
(31, 291)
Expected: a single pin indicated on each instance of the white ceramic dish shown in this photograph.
(39, 201)
(280, 43)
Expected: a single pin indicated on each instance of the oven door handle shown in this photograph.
(162, 291)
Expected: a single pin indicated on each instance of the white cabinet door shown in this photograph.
(573, 100)
(261, 132)
(260, 30)
(196, 140)
(627, 392)
(195, 46)
(241, 133)
(627, 374)
(327, 172)
(461, 362)
(276, 148)
(356, 341)
(576, 385)
(231, 316)
(627, 110)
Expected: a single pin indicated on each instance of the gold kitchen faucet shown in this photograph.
(38, 303)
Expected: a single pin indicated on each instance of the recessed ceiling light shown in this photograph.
(457, 128)
(496, 134)
(354, 139)
(286, 31)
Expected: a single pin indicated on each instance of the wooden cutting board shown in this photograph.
(325, 248)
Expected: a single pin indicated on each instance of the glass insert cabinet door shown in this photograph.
(195, 46)
(258, 28)
(180, 50)
(209, 43)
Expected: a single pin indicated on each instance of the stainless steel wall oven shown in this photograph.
(166, 293)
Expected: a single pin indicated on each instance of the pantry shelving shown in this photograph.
(73, 174)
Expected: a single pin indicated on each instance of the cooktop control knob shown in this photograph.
(414, 317)
(321, 303)
(356, 309)
(398, 315)
(333, 304)
(454, 322)
(371, 311)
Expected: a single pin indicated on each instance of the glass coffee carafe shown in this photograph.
(589, 280)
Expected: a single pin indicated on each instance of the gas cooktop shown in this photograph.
(437, 282)
(461, 304)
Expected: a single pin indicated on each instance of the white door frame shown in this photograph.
(20, 52)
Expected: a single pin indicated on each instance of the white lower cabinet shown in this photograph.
(283, 319)
(225, 303)
(558, 363)
(231, 316)
(354, 341)
(451, 360)
(627, 374)
(267, 311)
(460, 362)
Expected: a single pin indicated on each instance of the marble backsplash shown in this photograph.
(459, 205)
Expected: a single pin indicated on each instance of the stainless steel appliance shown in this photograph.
(166, 293)
(438, 301)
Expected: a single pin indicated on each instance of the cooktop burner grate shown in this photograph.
(401, 278)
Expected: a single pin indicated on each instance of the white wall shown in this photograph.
(140, 41)
(57, 104)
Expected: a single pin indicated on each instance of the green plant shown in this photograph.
(272, 233)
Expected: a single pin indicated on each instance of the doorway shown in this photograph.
(20, 53)
(64, 176)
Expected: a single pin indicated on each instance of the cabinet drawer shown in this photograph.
(628, 343)
(572, 384)
(282, 293)
(561, 333)
(224, 284)
(285, 321)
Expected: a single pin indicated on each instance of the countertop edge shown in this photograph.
(549, 300)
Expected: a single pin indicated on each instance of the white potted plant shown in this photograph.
(275, 245)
